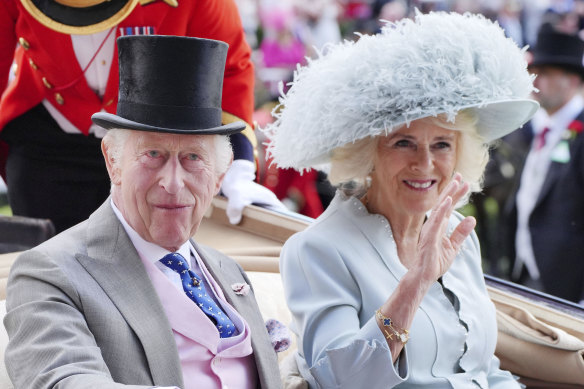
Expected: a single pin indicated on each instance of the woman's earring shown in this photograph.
(368, 182)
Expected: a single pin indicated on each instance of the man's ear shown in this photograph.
(221, 177)
(110, 163)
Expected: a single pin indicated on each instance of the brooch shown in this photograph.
(240, 288)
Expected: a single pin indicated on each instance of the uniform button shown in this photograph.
(32, 64)
(104, 62)
(47, 83)
(109, 102)
(24, 43)
(60, 100)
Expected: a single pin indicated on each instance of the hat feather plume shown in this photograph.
(437, 63)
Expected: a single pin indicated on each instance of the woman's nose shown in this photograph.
(423, 159)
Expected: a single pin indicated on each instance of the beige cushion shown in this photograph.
(531, 348)
(6, 261)
(269, 293)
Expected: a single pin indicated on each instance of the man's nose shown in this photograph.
(172, 176)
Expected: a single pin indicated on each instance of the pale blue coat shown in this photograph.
(343, 267)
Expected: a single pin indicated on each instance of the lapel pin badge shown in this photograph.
(240, 288)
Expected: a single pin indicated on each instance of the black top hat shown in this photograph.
(555, 48)
(79, 16)
(170, 84)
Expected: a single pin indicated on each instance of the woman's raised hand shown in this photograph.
(437, 250)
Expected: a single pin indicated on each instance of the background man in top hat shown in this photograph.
(126, 297)
(547, 214)
(65, 69)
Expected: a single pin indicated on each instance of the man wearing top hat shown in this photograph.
(126, 297)
(65, 69)
(547, 213)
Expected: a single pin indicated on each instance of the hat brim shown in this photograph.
(494, 120)
(109, 121)
(500, 118)
(497, 118)
(559, 62)
(79, 20)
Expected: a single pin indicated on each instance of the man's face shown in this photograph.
(164, 183)
(556, 87)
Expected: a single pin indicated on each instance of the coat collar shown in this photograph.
(114, 263)
(555, 168)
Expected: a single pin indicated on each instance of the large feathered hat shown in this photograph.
(439, 63)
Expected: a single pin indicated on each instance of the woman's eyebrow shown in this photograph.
(445, 137)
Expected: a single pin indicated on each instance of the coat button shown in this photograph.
(32, 64)
(60, 100)
(24, 43)
(47, 83)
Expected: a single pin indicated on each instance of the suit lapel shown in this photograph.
(226, 272)
(114, 263)
(555, 168)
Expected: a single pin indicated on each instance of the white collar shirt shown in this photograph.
(96, 75)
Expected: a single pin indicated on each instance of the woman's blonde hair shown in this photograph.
(352, 163)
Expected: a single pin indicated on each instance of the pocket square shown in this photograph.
(279, 335)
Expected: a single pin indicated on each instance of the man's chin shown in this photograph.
(170, 239)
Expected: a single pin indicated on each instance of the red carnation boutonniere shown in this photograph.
(573, 130)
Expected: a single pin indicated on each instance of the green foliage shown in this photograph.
(5, 210)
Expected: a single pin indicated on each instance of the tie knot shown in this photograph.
(540, 138)
(175, 261)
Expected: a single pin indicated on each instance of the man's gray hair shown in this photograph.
(116, 138)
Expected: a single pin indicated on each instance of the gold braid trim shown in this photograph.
(172, 3)
(80, 3)
(82, 30)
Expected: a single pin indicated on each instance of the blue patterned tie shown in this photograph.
(196, 291)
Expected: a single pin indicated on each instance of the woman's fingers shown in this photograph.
(461, 191)
(451, 188)
(462, 231)
(456, 189)
(440, 215)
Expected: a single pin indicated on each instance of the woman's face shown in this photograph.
(412, 167)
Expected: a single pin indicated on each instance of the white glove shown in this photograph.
(241, 190)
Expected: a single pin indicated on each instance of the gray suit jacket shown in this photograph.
(82, 313)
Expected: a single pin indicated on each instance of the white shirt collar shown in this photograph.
(148, 250)
(560, 120)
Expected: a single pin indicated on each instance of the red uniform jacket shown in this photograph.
(46, 66)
